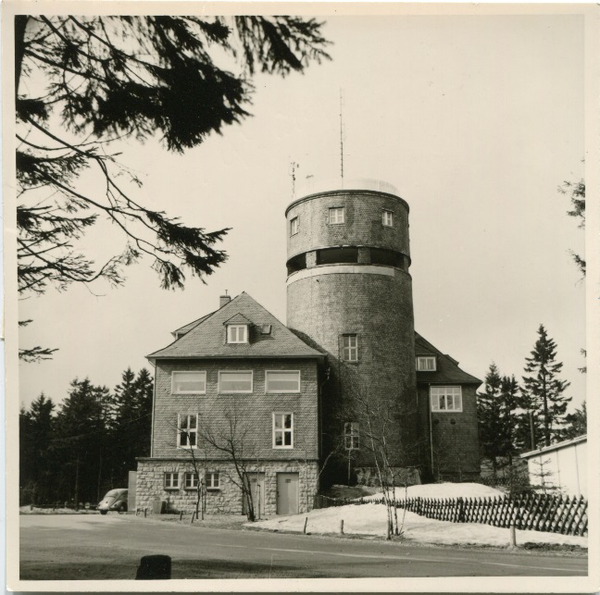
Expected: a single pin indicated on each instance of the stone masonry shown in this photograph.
(228, 498)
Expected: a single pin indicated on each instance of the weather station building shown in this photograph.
(307, 399)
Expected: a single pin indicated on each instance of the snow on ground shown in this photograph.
(443, 490)
(370, 519)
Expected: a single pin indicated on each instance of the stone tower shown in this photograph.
(349, 293)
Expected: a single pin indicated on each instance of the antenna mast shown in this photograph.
(342, 136)
(293, 166)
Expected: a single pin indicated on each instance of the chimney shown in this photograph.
(224, 300)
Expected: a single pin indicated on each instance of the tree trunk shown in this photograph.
(20, 27)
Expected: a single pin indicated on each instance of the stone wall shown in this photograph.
(228, 498)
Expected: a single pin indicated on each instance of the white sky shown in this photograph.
(476, 120)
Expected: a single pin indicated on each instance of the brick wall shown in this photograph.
(362, 225)
(228, 498)
(251, 412)
(373, 302)
(455, 437)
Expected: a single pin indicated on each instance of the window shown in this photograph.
(446, 398)
(426, 364)
(350, 348)
(294, 226)
(282, 382)
(336, 215)
(237, 333)
(213, 481)
(283, 430)
(190, 481)
(171, 481)
(265, 329)
(188, 383)
(235, 382)
(187, 430)
(351, 435)
(387, 218)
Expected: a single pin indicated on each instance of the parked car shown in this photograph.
(114, 500)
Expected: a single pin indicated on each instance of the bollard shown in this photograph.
(181, 515)
(145, 512)
(342, 526)
(305, 523)
(154, 568)
(513, 536)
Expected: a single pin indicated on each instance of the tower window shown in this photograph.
(446, 398)
(426, 364)
(337, 255)
(350, 348)
(336, 215)
(294, 226)
(387, 218)
(351, 435)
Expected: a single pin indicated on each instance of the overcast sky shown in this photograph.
(476, 121)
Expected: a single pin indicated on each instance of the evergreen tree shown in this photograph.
(36, 464)
(83, 82)
(576, 193)
(81, 442)
(496, 417)
(576, 423)
(131, 430)
(543, 390)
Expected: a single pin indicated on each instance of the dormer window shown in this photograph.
(237, 333)
(426, 364)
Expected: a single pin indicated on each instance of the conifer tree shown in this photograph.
(543, 389)
(495, 413)
(36, 464)
(84, 82)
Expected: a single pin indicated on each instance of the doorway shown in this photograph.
(287, 493)
(257, 489)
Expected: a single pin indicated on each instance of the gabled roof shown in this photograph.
(237, 319)
(447, 371)
(189, 326)
(205, 338)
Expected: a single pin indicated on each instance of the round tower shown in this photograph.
(349, 292)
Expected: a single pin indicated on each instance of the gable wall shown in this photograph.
(253, 411)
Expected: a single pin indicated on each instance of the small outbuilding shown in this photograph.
(561, 466)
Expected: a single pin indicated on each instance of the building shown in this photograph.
(314, 398)
(561, 466)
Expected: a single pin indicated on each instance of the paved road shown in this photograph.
(109, 547)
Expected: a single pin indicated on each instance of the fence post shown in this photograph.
(461, 510)
(513, 535)
(342, 526)
(305, 523)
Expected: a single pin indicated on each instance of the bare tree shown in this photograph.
(233, 437)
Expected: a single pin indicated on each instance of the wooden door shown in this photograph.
(287, 493)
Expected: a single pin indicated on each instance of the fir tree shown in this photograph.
(495, 413)
(36, 465)
(83, 82)
(543, 390)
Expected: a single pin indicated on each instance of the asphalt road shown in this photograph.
(85, 547)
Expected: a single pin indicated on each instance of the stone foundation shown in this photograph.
(150, 486)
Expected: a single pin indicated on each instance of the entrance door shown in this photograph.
(287, 493)
(257, 489)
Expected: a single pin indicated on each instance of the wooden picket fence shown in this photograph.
(538, 512)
